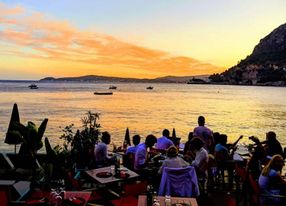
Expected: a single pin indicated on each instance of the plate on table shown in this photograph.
(104, 174)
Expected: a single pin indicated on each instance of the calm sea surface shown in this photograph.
(232, 110)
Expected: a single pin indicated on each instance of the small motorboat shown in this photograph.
(149, 87)
(103, 93)
(33, 86)
(112, 87)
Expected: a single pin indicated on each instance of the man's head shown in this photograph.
(136, 139)
(166, 133)
(105, 137)
(271, 137)
(201, 121)
(150, 140)
(222, 139)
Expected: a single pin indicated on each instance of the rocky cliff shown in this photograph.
(265, 66)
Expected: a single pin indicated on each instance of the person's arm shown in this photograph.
(235, 143)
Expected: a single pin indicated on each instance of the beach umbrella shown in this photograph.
(13, 135)
(174, 133)
(127, 138)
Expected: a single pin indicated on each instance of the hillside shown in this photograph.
(265, 66)
(99, 79)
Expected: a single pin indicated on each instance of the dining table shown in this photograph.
(173, 201)
(105, 175)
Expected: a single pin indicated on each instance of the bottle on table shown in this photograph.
(149, 195)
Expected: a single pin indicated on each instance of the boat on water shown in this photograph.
(103, 93)
(149, 87)
(33, 86)
(112, 87)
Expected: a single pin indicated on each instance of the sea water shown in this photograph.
(232, 110)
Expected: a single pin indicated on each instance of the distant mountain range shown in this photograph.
(265, 66)
(99, 79)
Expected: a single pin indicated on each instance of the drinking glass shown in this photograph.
(168, 200)
(112, 170)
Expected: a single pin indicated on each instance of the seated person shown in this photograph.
(100, 151)
(201, 160)
(132, 149)
(129, 156)
(188, 143)
(222, 149)
(164, 142)
(141, 155)
(272, 146)
(189, 152)
(224, 157)
(173, 160)
(270, 180)
(257, 159)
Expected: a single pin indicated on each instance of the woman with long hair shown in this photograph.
(270, 180)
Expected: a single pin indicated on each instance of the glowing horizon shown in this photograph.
(131, 38)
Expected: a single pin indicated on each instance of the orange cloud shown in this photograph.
(35, 36)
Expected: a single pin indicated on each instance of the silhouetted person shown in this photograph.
(172, 160)
(100, 151)
(141, 155)
(205, 134)
(272, 146)
(136, 140)
(164, 142)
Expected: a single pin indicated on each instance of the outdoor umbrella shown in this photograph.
(127, 138)
(13, 135)
(174, 133)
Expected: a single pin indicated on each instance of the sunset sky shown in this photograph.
(130, 38)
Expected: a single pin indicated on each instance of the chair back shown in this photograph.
(255, 191)
(128, 160)
(241, 172)
(180, 182)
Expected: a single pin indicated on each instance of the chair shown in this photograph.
(181, 182)
(241, 179)
(128, 160)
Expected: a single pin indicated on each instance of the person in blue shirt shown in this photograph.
(132, 149)
(163, 143)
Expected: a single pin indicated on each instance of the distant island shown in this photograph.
(102, 79)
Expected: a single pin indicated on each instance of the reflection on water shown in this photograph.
(232, 110)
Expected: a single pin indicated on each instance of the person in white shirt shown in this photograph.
(201, 160)
(100, 151)
(141, 155)
(173, 160)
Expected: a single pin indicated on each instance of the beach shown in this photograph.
(233, 110)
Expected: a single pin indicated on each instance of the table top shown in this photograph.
(7, 182)
(142, 200)
(93, 173)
